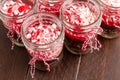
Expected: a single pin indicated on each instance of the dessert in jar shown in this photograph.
(110, 18)
(81, 20)
(50, 6)
(12, 14)
(43, 37)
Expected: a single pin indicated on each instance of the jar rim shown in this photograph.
(104, 4)
(19, 16)
(46, 44)
(92, 2)
(51, 1)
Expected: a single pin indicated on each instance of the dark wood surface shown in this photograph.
(100, 65)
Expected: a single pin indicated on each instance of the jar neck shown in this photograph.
(44, 47)
(43, 17)
(80, 27)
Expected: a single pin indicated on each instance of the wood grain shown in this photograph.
(66, 70)
(102, 65)
(13, 63)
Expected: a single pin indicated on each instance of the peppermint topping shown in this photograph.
(42, 34)
(15, 8)
(79, 14)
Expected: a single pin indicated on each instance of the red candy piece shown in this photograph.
(23, 8)
(10, 10)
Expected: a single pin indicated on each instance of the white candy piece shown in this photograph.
(28, 36)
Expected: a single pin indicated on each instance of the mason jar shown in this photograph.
(43, 37)
(110, 18)
(12, 14)
(50, 6)
(81, 20)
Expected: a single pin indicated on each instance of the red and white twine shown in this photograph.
(80, 14)
(43, 34)
(89, 38)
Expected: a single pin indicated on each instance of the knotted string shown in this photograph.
(89, 38)
(10, 35)
(40, 56)
(94, 44)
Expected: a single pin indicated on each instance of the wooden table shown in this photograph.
(100, 65)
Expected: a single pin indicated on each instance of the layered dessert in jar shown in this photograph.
(13, 13)
(110, 18)
(43, 37)
(81, 20)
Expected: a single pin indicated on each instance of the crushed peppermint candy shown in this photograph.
(12, 8)
(81, 15)
(113, 3)
(43, 34)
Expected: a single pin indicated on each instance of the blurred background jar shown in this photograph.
(81, 20)
(50, 6)
(12, 14)
(43, 37)
(110, 18)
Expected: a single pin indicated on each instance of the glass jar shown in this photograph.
(43, 37)
(13, 13)
(110, 18)
(81, 20)
(50, 6)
